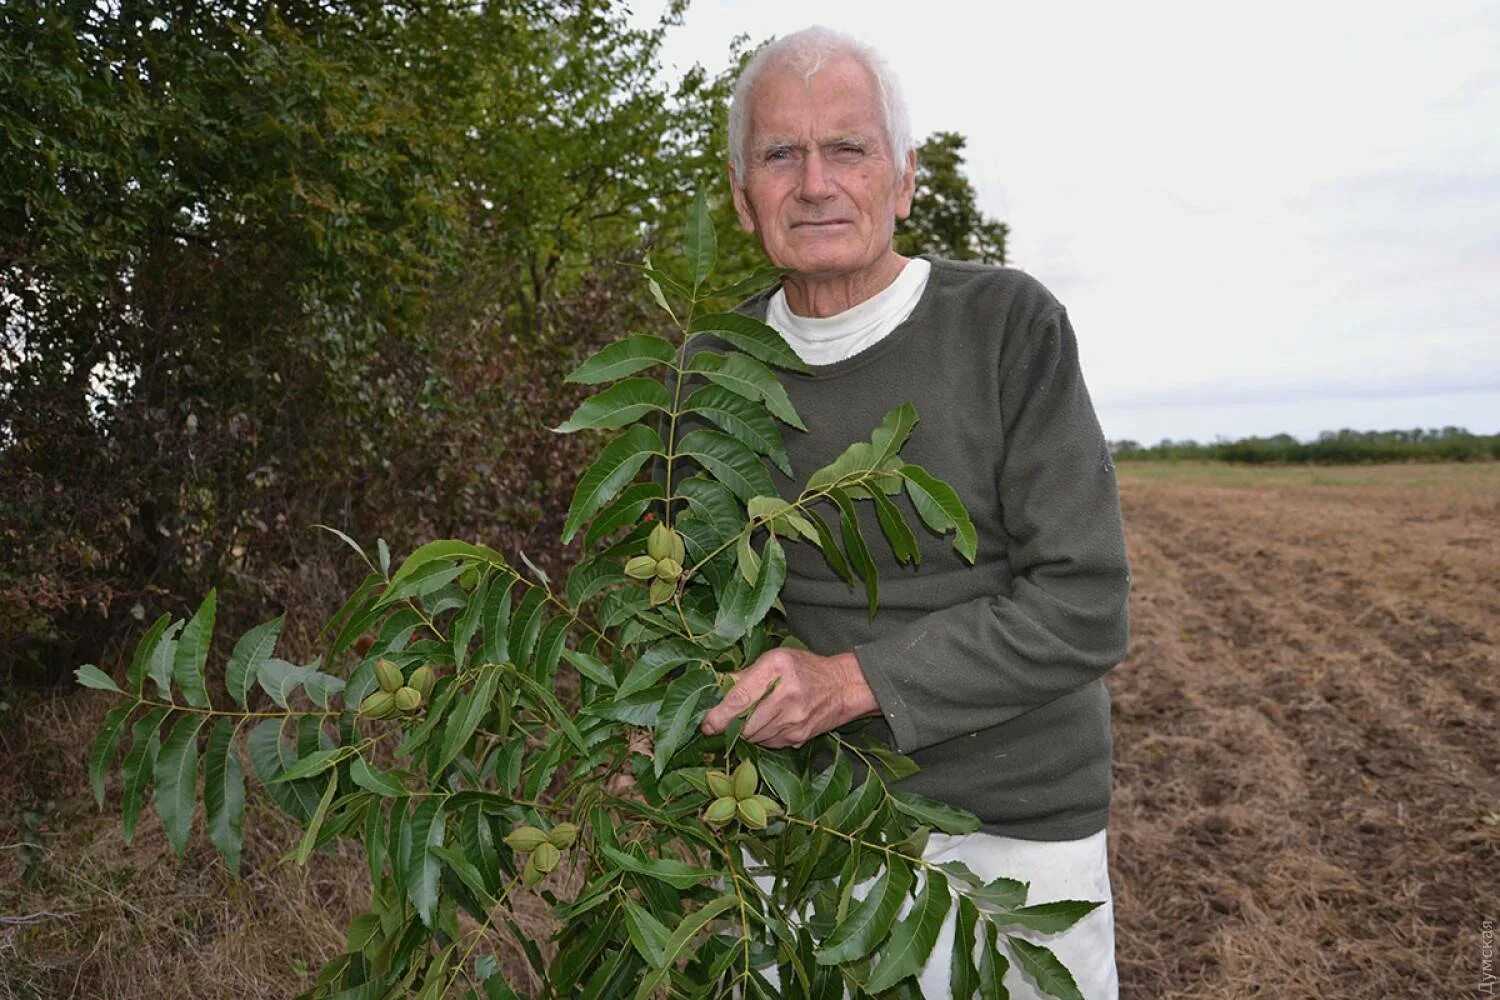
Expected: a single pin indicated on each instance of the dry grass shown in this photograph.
(1307, 754)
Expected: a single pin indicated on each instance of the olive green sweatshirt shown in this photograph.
(988, 676)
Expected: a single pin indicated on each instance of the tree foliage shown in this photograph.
(1344, 447)
(434, 729)
(945, 217)
(264, 265)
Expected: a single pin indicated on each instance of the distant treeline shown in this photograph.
(1344, 447)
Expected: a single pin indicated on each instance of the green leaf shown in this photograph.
(1000, 894)
(139, 764)
(253, 649)
(933, 813)
(648, 934)
(713, 504)
(730, 462)
(622, 403)
(105, 745)
(859, 554)
(941, 509)
(91, 676)
(271, 755)
(963, 977)
(312, 764)
(762, 278)
(869, 920)
(784, 780)
(319, 687)
(446, 550)
(549, 649)
(746, 606)
(897, 766)
(464, 718)
(895, 427)
(135, 676)
(699, 242)
(653, 664)
(372, 779)
(1050, 975)
(682, 936)
(831, 551)
(748, 377)
(912, 940)
(468, 621)
(159, 669)
(427, 829)
(590, 667)
(626, 509)
(191, 654)
(993, 966)
(854, 462)
(747, 560)
(656, 293)
(894, 527)
(616, 465)
(852, 814)
(782, 518)
(224, 794)
(526, 625)
(669, 870)
(751, 336)
(310, 835)
(176, 779)
(467, 872)
(1048, 918)
(347, 541)
(642, 708)
(624, 357)
(561, 716)
(748, 421)
(281, 679)
(592, 577)
(680, 714)
(496, 623)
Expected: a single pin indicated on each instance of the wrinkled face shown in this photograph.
(822, 189)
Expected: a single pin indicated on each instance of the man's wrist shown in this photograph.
(858, 696)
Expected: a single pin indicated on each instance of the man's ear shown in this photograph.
(908, 188)
(741, 206)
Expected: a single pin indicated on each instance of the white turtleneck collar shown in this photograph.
(830, 339)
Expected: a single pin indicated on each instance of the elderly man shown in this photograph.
(989, 676)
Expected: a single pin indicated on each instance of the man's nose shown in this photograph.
(817, 184)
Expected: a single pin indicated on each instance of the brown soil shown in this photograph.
(1308, 756)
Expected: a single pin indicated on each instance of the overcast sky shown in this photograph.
(1278, 217)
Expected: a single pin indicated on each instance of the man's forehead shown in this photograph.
(840, 98)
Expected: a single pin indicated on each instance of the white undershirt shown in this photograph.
(829, 339)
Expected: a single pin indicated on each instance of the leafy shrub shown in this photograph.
(437, 729)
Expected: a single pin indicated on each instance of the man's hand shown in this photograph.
(812, 695)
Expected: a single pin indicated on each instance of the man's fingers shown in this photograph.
(746, 695)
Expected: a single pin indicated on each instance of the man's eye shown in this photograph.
(780, 153)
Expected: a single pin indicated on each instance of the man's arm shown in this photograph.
(1065, 622)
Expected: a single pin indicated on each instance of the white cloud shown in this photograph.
(1249, 198)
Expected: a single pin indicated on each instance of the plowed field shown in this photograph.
(1308, 732)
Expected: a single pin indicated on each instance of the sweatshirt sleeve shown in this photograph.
(1065, 622)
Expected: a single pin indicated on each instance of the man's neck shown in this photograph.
(823, 297)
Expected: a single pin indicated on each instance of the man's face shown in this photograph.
(821, 188)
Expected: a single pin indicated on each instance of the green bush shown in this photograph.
(470, 721)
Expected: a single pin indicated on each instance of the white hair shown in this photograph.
(806, 52)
